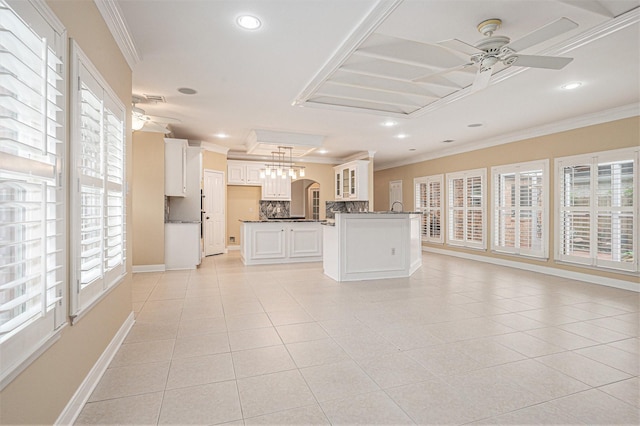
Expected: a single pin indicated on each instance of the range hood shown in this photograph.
(264, 142)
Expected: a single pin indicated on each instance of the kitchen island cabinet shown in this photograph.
(373, 245)
(280, 241)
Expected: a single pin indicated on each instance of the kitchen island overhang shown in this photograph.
(372, 245)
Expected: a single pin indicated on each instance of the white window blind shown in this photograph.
(466, 208)
(32, 226)
(598, 209)
(428, 201)
(98, 200)
(520, 199)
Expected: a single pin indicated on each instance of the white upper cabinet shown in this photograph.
(175, 167)
(244, 173)
(352, 181)
(276, 188)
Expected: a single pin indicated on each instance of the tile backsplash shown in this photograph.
(345, 206)
(274, 209)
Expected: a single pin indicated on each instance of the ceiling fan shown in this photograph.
(494, 49)
(140, 121)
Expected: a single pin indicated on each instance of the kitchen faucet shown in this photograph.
(393, 205)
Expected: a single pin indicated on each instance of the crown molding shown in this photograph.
(113, 17)
(619, 113)
(208, 146)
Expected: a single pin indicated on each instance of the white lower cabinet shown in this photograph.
(280, 242)
(182, 246)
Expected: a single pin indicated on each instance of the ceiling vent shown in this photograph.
(264, 142)
(155, 98)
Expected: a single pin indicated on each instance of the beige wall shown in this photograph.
(40, 393)
(242, 204)
(239, 201)
(214, 161)
(148, 198)
(602, 137)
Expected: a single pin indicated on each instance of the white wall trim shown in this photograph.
(593, 119)
(113, 17)
(209, 146)
(562, 273)
(80, 398)
(148, 268)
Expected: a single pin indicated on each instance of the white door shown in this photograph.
(214, 212)
(395, 195)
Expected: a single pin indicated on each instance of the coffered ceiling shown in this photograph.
(341, 70)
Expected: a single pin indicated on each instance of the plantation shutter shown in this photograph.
(598, 211)
(466, 208)
(428, 201)
(98, 149)
(32, 233)
(520, 209)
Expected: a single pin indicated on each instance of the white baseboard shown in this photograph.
(562, 273)
(148, 268)
(80, 398)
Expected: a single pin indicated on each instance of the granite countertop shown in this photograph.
(381, 212)
(284, 219)
(183, 221)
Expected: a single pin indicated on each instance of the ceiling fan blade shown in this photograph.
(164, 120)
(545, 33)
(430, 77)
(548, 62)
(482, 79)
(150, 126)
(460, 46)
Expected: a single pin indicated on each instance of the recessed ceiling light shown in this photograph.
(248, 22)
(474, 125)
(187, 91)
(322, 151)
(221, 135)
(402, 135)
(389, 123)
(571, 86)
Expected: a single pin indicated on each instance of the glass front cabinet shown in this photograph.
(352, 181)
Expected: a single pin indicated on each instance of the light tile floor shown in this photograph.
(459, 342)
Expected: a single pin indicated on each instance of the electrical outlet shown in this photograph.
(232, 239)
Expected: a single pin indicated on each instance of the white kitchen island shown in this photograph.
(374, 245)
(280, 241)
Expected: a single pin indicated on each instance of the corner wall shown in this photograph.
(602, 137)
(148, 199)
(41, 392)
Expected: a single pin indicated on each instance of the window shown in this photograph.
(32, 226)
(466, 208)
(597, 209)
(98, 198)
(520, 200)
(428, 201)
